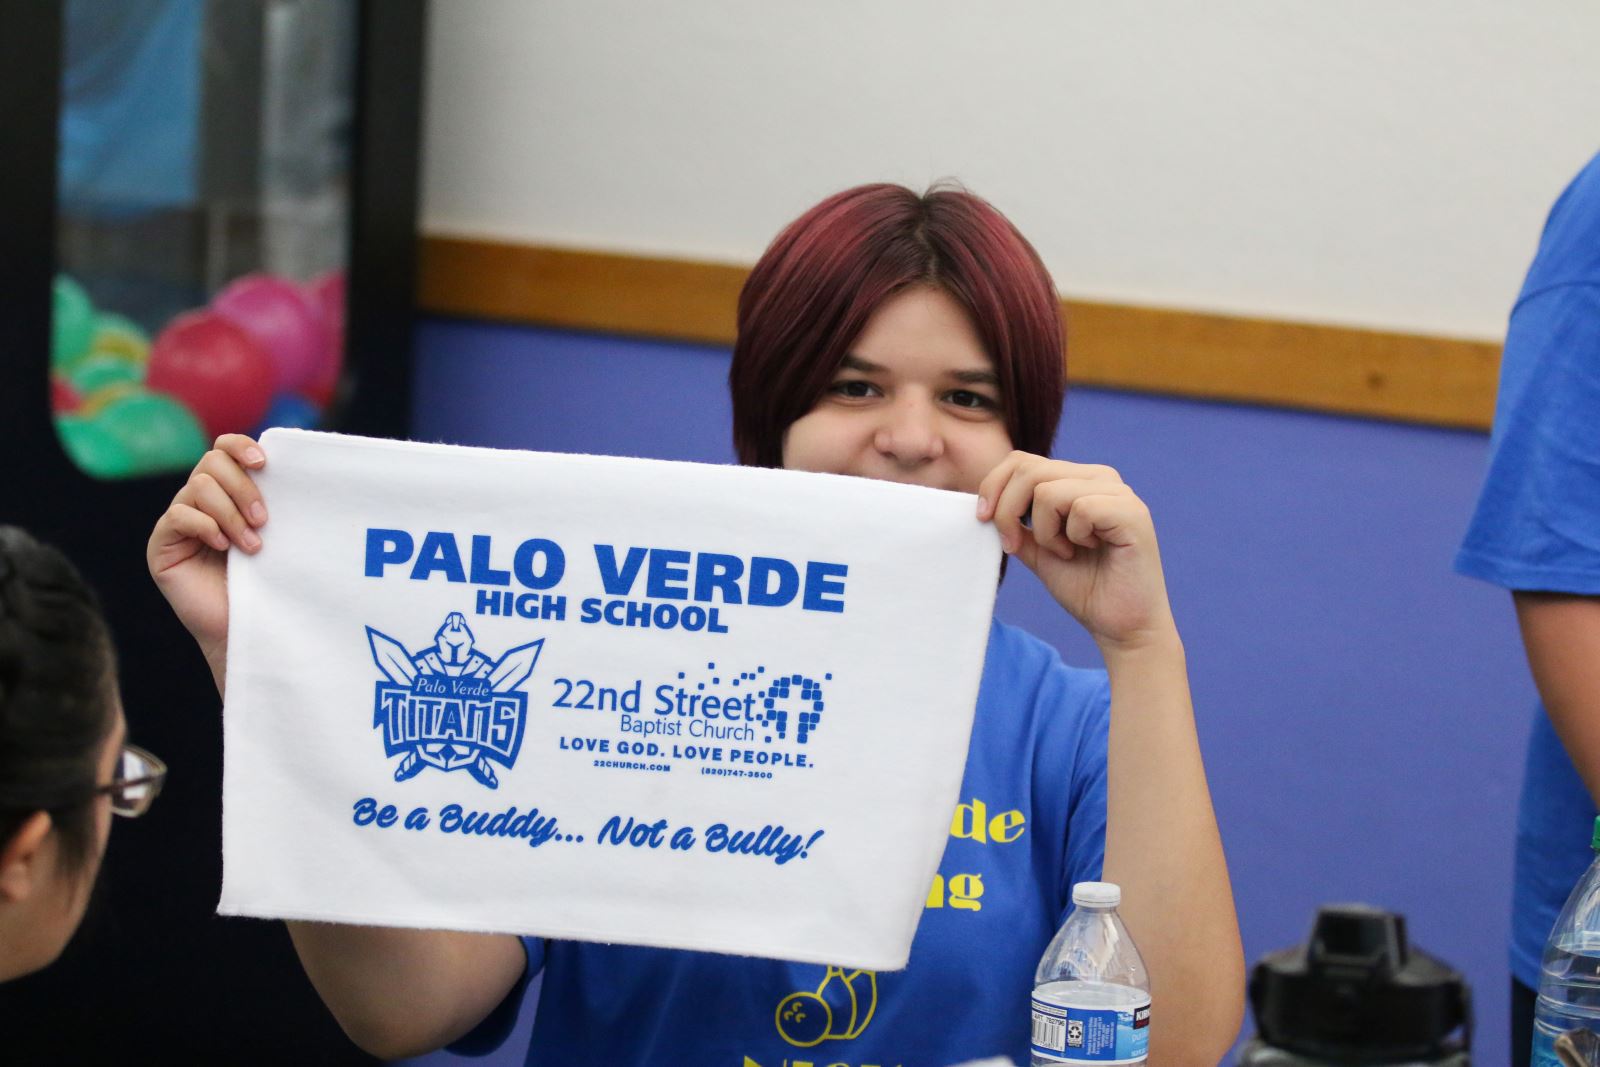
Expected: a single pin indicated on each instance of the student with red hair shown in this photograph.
(911, 338)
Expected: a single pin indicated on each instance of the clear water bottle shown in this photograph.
(1091, 995)
(1569, 980)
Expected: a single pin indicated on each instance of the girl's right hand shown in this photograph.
(217, 507)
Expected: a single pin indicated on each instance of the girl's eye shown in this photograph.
(966, 398)
(853, 387)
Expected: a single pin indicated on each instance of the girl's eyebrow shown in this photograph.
(965, 377)
(976, 377)
(856, 363)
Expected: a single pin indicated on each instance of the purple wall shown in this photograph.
(1362, 710)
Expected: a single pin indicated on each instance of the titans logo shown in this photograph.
(450, 706)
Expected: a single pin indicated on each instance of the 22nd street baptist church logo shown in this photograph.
(450, 706)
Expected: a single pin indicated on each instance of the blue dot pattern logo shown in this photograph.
(774, 698)
(790, 705)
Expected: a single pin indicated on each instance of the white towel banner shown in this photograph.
(622, 700)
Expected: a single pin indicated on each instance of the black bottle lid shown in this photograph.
(1357, 993)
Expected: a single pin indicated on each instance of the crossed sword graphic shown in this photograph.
(507, 674)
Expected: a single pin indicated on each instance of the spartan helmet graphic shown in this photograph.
(452, 653)
(454, 640)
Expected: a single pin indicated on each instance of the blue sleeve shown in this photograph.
(1085, 855)
(1537, 522)
(496, 1027)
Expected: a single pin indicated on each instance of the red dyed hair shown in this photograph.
(818, 283)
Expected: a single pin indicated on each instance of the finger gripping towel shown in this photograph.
(669, 704)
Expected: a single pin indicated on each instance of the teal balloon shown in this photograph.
(96, 451)
(96, 371)
(159, 433)
(118, 335)
(72, 322)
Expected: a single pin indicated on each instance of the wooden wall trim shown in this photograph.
(1436, 381)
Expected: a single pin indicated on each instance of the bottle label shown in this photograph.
(1544, 1051)
(1090, 1035)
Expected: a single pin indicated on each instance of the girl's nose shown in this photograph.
(910, 433)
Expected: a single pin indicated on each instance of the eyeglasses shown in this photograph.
(136, 783)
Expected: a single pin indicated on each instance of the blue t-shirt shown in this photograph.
(1031, 823)
(1537, 526)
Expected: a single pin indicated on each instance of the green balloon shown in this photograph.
(119, 335)
(96, 452)
(71, 323)
(96, 371)
(159, 433)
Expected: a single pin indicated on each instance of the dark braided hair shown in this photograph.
(57, 685)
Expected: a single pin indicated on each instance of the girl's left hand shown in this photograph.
(1090, 539)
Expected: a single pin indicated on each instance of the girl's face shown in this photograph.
(110, 763)
(916, 400)
(37, 924)
(72, 892)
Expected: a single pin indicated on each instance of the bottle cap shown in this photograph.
(1097, 894)
(1594, 839)
(1359, 992)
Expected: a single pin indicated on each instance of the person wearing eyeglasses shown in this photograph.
(65, 764)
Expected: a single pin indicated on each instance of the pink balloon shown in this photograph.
(216, 369)
(283, 319)
(327, 293)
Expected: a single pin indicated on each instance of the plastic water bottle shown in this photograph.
(1091, 995)
(1569, 980)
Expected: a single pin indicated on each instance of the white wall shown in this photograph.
(1374, 162)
